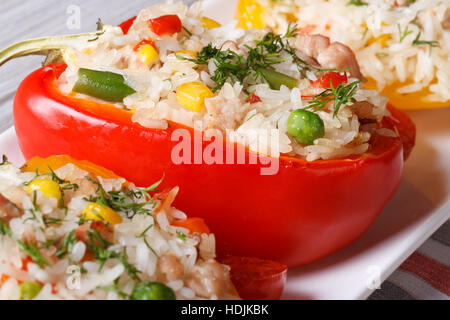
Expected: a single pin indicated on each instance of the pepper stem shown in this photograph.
(42, 46)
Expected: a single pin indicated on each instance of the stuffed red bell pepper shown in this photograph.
(284, 157)
(72, 230)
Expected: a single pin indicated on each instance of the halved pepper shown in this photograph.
(254, 278)
(305, 211)
(251, 14)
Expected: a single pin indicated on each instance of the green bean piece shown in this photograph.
(104, 85)
(276, 79)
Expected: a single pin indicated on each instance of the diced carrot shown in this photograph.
(307, 29)
(4, 278)
(194, 225)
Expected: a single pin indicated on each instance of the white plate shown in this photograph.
(420, 206)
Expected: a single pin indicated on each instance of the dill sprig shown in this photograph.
(66, 245)
(418, 42)
(271, 50)
(403, 33)
(357, 3)
(125, 200)
(29, 247)
(99, 247)
(116, 289)
(342, 95)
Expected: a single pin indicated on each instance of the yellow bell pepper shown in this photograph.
(250, 14)
(192, 95)
(210, 23)
(45, 165)
(413, 100)
(97, 212)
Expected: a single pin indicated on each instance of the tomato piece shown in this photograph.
(168, 24)
(253, 98)
(194, 225)
(328, 78)
(125, 26)
(256, 279)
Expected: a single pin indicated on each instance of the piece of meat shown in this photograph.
(339, 56)
(231, 45)
(312, 45)
(171, 267)
(8, 210)
(363, 109)
(329, 55)
(210, 279)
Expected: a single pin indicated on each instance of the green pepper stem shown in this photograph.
(42, 46)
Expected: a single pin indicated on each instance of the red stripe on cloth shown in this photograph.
(433, 272)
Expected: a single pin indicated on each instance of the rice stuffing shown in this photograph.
(70, 235)
(245, 83)
(397, 42)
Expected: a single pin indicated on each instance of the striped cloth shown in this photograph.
(425, 275)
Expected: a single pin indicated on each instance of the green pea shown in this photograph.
(305, 126)
(29, 290)
(152, 291)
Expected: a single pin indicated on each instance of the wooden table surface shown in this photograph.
(24, 19)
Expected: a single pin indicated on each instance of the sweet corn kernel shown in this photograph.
(97, 212)
(382, 40)
(49, 188)
(250, 14)
(210, 23)
(148, 54)
(192, 95)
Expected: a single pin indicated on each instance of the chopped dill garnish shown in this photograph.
(271, 50)
(358, 3)
(342, 95)
(418, 42)
(125, 200)
(99, 247)
(382, 54)
(403, 33)
(48, 221)
(181, 236)
(66, 245)
(116, 289)
(143, 236)
(29, 247)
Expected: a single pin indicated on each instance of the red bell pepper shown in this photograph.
(325, 81)
(253, 98)
(254, 279)
(126, 26)
(168, 24)
(143, 43)
(304, 212)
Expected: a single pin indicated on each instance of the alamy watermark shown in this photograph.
(74, 19)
